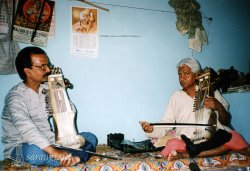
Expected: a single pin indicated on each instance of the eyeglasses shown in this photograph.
(44, 66)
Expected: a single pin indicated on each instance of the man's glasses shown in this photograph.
(44, 67)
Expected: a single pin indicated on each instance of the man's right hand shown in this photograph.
(146, 127)
(65, 158)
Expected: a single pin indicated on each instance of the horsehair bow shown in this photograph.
(87, 151)
(181, 125)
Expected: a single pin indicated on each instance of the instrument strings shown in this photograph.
(63, 109)
(201, 94)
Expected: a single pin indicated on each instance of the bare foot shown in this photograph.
(175, 155)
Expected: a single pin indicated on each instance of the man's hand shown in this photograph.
(212, 103)
(69, 160)
(146, 126)
(65, 158)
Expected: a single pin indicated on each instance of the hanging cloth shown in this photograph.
(8, 47)
(189, 21)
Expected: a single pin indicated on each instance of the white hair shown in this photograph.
(192, 63)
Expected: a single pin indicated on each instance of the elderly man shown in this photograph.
(178, 141)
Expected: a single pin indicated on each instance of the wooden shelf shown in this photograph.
(239, 89)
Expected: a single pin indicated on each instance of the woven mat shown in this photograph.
(150, 161)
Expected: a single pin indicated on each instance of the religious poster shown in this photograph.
(32, 21)
(84, 32)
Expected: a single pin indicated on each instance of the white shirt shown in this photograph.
(180, 110)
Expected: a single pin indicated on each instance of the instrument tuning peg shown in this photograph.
(56, 70)
(44, 91)
(68, 84)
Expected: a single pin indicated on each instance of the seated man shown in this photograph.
(27, 133)
(178, 141)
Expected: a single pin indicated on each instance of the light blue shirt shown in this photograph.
(25, 119)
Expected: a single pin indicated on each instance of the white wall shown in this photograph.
(133, 77)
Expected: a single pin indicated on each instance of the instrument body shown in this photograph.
(206, 87)
(66, 133)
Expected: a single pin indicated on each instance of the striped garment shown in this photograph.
(25, 119)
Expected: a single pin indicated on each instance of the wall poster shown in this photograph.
(26, 19)
(84, 32)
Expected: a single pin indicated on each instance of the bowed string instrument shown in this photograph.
(66, 134)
